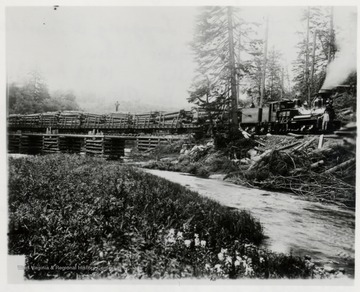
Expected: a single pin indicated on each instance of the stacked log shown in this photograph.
(168, 119)
(70, 119)
(14, 143)
(49, 120)
(118, 120)
(51, 144)
(146, 143)
(94, 145)
(14, 120)
(93, 120)
(31, 121)
(143, 121)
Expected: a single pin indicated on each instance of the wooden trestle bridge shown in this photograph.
(110, 146)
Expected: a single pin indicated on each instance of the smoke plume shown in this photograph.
(345, 61)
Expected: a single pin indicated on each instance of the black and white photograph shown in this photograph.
(170, 143)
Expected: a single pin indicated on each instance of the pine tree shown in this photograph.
(324, 42)
(220, 37)
(273, 76)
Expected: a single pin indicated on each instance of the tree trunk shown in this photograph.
(233, 69)
(312, 67)
(307, 54)
(262, 93)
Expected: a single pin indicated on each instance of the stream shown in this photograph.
(326, 233)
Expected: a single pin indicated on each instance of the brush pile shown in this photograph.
(327, 174)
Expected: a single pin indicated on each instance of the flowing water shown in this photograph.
(324, 232)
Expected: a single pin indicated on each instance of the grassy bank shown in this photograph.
(80, 217)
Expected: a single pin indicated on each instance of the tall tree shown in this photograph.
(263, 77)
(318, 50)
(274, 84)
(34, 97)
(216, 47)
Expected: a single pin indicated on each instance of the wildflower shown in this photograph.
(248, 271)
(170, 238)
(196, 235)
(207, 267)
(261, 260)
(221, 256)
(197, 241)
(224, 250)
(203, 243)
(187, 242)
(238, 261)
(228, 259)
(218, 268)
(179, 235)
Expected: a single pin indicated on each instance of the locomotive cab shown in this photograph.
(282, 113)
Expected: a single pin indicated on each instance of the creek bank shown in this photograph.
(313, 167)
(326, 233)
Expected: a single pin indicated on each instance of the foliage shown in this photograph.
(211, 88)
(77, 217)
(319, 20)
(33, 97)
(68, 211)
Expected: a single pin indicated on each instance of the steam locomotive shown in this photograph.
(277, 117)
(291, 116)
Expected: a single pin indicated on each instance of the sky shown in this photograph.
(134, 54)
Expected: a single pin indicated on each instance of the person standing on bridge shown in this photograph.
(117, 106)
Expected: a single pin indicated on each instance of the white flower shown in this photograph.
(197, 241)
(203, 243)
(237, 263)
(179, 235)
(261, 260)
(187, 242)
(196, 235)
(170, 238)
(248, 270)
(218, 268)
(239, 259)
(229, 259)
(207, 267)
(221, 256)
